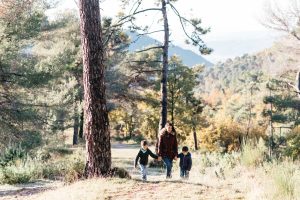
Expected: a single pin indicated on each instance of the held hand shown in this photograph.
(159, 158)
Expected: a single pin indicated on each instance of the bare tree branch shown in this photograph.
(149, 33)
(144, 61)
(130, 16)
(283, 20)
(199, 42)
(150, 48)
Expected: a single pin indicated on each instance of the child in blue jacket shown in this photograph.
(185, 163)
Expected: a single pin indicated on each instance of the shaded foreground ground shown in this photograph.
(208, 186)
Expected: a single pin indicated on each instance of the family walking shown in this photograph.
(167, 150)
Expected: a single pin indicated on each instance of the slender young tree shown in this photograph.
(96, 123)
(164, 74)
(75, 124)
(193, 37)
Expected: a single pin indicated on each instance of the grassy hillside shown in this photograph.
(227, 86)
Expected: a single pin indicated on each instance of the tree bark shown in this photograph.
(61, 121)
(96, 123)
(164, 76)
(172, 107)
(75, 125)
(81, 125)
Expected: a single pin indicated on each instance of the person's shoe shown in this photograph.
(168, 177)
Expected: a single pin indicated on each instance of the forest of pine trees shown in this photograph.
(43, 86)
(72, 82)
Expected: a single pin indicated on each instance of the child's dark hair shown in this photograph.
(144, 143)
(185, 148)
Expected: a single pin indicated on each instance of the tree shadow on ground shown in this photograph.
(26, 189)
(171, 182)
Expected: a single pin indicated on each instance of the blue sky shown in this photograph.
(235, 24)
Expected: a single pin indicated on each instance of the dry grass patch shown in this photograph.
(123, 189)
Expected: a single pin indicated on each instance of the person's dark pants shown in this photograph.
(169, 164)
(184, 173)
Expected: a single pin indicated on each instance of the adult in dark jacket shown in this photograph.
(168, 147)
(185, 162)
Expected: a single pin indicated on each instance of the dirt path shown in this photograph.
(175, 190)
(21, 191)
(198, 187)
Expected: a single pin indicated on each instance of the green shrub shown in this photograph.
(229, 160)
(26, 169)
(15, 175)
(253, 153)
(69, 169)
(293, 146)
(1, 175)
(224, 160)
(60, 150)
(130, 140)
(31, 139)
(21, 172)
(11, 154)
(50, 171)
(75, 170)
(43, 155)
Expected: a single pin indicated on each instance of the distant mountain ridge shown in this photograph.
(226, 80)
(188, 57)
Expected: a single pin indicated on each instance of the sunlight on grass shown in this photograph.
(253, 153)
(213, 176)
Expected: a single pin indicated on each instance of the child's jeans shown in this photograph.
(169, 164)
(144, 172)
(184, 173)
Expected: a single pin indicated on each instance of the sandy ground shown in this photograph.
(197, 187)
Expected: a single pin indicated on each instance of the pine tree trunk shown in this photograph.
(75, 125)
(172, 107)
(164, 76)
(81, 125)
(61, 120)
(96, 124)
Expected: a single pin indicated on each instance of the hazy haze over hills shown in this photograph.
(188, 57)
(235, 25)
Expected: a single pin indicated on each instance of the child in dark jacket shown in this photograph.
(185, 163)
(142, 158)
